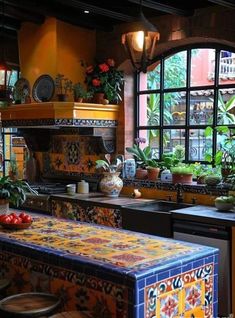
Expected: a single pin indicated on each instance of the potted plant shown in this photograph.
(183, 173)
(201, 171)
(79, 93)
(142, 156)
(11, 191)
(103, 78)
(111, 184)
(153, 169)
(63, 86)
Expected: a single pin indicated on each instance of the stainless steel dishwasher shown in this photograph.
(214, 236)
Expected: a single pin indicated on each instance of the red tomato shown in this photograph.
(27, 219)
(14, 215)
(22, 215)
(16, 221)
(2, 216)
(6, 219)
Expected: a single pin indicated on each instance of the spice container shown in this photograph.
(83, 187)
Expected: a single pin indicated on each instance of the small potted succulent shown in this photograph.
(182, 173)
(63, 86)
(111, 184)
(79, 93)
(153, 169)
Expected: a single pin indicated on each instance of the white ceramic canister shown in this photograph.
(71, 189)
(83, 187)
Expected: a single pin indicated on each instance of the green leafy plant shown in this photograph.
(104, 78)
(172, 159)
(12, 190)
(142, 156)
(63, 85)
(224, 108)
(108, 165)
(80, 92)
(182, 169)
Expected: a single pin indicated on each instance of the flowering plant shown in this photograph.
(104, 78)
(143, 156)
(108, 165)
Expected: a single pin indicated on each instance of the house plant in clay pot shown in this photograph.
(153, 169)
(110, 184)
(80, 94)
(63, 87)
(104, 80)
(182, 174)
(11, 191)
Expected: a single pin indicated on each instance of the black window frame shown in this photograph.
(216, 86)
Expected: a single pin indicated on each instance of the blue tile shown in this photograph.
(216, 258)
(209, 260)
(215, 309)
(141, 284)
(141, 296)
(175, 271)
(198, 263)
(163, 275)
(141, 311)
(151, 280)
(187, 267)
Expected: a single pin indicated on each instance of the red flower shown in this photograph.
(89, 69)
(104, 67)
(96, 82)
(110, 62)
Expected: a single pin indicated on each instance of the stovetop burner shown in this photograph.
(48, 188)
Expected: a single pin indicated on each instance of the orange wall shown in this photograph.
(55, 47)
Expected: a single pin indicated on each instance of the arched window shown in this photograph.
(183, 93)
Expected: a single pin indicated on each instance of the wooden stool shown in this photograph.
(28, 305)
(73, 314)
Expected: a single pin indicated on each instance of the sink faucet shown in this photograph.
(179, 194)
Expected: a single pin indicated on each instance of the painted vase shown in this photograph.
(130, 168)
(111, 185)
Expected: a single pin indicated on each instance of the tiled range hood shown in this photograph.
(37, 120)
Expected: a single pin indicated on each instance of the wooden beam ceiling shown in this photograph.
(226, 3)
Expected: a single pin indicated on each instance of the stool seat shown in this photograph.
(4, 283)
(73, 314)
(29, 305)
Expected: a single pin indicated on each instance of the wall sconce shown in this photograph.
(140, 44)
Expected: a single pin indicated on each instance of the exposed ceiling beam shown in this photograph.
(97, 10)
(9, 23)
(159, 6)
(226, 3)
(22, 15)
(7, 33)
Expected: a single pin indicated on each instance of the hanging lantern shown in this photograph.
(5, 74)
(140, 44)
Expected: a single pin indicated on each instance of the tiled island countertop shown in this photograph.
(124, 274)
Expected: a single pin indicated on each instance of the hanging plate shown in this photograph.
(43, 88)
(21, 89)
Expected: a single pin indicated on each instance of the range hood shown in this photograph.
(37, 122)
(59, 114)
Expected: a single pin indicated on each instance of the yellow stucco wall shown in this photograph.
(55, 47)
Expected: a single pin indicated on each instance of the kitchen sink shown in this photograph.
(151, 218)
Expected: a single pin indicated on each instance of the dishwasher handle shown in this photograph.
(201, 229)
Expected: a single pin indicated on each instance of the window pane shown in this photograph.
(174, 108)
(152, 139)
(172, 138)
(227, 67)
(149, 110)
(175, 70)
(12, 77)
(201, 107)
(226, 107)
(153, 77)
(199, 145)
(202, 67)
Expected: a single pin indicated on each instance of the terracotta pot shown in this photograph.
(182, 178)
(78, 99)
(153, 173)
(98, 98)
(111, 185)
(141, 173)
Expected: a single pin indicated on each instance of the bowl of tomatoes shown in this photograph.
(15, 221)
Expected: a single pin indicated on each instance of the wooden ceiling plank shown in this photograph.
(159, 6)
(226, 3)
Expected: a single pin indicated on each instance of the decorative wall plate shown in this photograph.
(43, 88)
(21, 88)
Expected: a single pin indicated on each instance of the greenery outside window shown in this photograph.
(182, 93)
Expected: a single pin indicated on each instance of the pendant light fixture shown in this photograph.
(5, 69)
(140, 44)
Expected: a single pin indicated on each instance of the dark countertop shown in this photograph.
(205, 214)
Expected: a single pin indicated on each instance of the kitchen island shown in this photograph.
(113, 273)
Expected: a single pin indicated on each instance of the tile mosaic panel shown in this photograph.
(91, 214)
